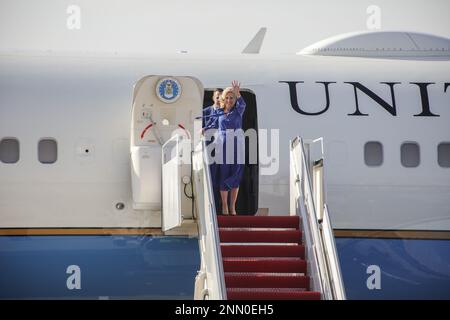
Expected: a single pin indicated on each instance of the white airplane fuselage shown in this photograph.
(85, 103)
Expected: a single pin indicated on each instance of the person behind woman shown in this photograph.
(229, 120)
(210, 121)
(209, 112)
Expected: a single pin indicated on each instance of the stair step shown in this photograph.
(264, 264)
(240, 264)
(282, 236)
(263, 251)
(271, 294)
(258, 221)
(265, 280)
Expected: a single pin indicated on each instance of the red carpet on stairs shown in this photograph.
(263, 258)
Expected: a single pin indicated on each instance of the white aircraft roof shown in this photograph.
(381, 44)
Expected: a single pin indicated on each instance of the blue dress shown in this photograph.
(208, 116)
(230, 167)
(211, 121)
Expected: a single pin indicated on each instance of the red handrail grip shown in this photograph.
(145, 130)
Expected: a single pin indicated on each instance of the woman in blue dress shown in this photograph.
(230, 167)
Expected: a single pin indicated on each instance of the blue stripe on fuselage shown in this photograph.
(34, 267)
(409, 269)
(111, 266)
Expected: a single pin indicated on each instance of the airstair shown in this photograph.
(270, 257)
(241, 257)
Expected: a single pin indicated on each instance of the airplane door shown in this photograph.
(175, 153)
(164, 107)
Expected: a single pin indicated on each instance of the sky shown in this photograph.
(204, 26)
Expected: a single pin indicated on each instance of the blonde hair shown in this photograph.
(224, 94)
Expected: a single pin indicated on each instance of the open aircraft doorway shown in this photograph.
(161, 144)
(247, 201)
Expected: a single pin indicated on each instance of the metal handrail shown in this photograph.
(320, 238)
(215, 226)
(337, 284)
(209, 234)
(306, 209)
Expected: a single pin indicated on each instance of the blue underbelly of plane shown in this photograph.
(407, 269)
(110, 267)
(150, 267)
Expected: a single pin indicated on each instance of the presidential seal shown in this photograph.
(168, 90)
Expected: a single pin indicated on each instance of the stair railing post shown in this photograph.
(213, 286)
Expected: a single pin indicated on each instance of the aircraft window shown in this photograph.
(410, 154)
(47, 151)
(373, 153)
(444, 154)
(9, 150)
